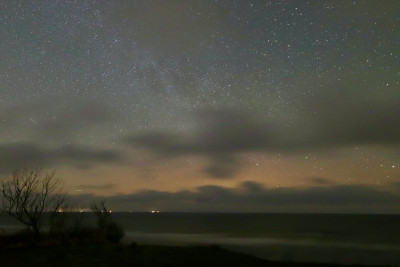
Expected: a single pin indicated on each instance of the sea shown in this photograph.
(328, 238)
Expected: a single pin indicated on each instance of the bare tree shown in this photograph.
(28, 194)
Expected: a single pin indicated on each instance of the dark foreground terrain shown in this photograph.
(117, 255)
(90, 249)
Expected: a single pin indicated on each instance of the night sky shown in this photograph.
(256, 106)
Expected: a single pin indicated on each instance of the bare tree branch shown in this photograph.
(28, 194)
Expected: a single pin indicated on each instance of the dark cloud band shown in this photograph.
(222, 135)
(24, 155)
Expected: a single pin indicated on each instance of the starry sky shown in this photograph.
(256, 106)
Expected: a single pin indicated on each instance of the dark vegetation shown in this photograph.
(35, 197)
(106, 225)
(28, 194)
(93, 253)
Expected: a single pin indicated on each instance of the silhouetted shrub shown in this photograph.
(112, 230)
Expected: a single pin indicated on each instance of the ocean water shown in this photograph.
(336, 238)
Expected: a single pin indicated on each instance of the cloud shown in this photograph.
(345, 118)
(324, 122)
(222, 166)
(75, 118)
(218, 132)
(253, 197)
(54, 120)
(24, 155)
(96, 187)
(43, 134)
(220, 136)
(320, 181)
